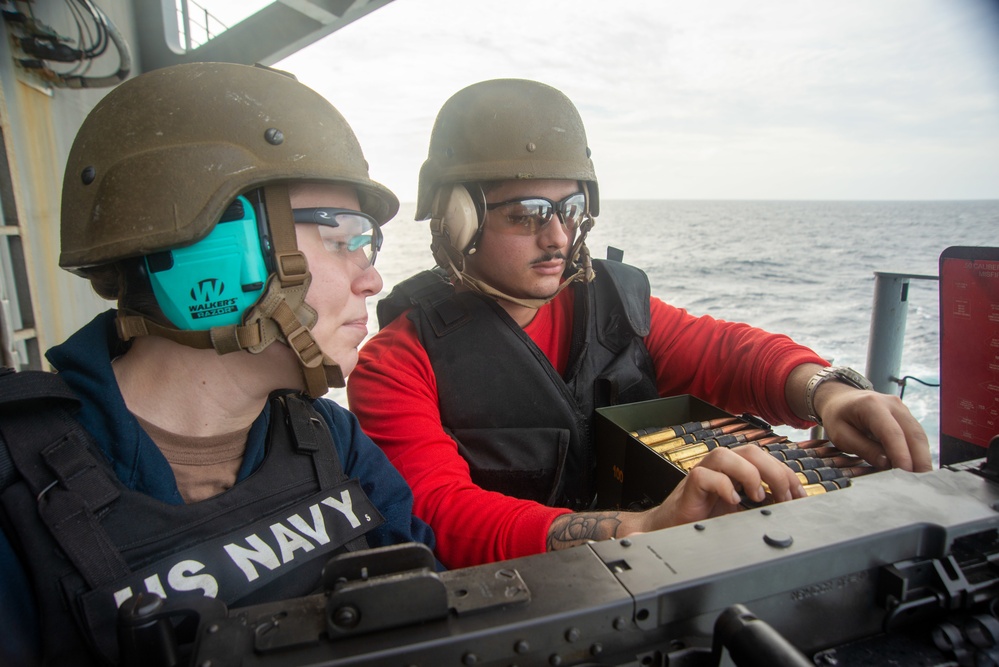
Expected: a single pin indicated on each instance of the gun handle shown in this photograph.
(752, 642)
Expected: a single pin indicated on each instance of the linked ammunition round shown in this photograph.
(826, 486)
(817, 463)
(789, 453)
(690, 458)
(809, 463)
(667, 432)
(658, 444)
(719, 441)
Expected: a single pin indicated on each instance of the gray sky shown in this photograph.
(693, 99)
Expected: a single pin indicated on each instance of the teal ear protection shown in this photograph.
(212, 282)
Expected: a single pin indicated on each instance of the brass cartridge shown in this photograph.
(826, 486)
(667, 432)
(711, 443)
(694, 455)
(689, 438)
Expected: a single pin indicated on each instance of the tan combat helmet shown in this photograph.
(162, 156)
(500, 130)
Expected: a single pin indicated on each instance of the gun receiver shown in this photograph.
(831, 577)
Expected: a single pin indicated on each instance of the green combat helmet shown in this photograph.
(503, 129)
(161, 158)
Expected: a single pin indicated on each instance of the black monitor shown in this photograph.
(969, 352)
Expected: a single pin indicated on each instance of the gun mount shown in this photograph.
(899, 569)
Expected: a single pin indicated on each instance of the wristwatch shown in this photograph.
(837, 373)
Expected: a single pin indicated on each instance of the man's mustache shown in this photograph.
(548, 257)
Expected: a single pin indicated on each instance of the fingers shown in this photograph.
(850, 439)
(711, 485)
(880, 429)
(876, 427)
(914, 444)
(748, 468)
(703, 493)
(706, 491)
(781, 480)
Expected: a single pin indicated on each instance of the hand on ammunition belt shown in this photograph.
(818, 464)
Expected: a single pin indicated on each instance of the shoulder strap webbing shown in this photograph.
(630, 286)
(311, 435)
(431, 284)
(16, 390)
(26, 386)
(51, 452)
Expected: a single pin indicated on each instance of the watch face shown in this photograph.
(850, 376)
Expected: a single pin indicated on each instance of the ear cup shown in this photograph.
(454, 216)
(212, 282)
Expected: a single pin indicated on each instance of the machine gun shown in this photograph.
(899, 569)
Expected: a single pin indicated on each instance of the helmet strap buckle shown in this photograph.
(319, 371)
(291, 267)
(304, 345)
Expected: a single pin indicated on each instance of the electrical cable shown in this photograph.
(904, 379)
(95, 32)
(100, 45)
(107, 32)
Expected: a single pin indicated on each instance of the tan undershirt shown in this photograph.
(203, 466)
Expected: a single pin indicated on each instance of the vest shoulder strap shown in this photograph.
(294, 416)
(51, 452)
(628, 286)
(309, 435)
(28, 386)
(425, 287)
(17, 390)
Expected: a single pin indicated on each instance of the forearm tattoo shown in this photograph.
(570, 530)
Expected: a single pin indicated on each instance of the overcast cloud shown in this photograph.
(727, 99)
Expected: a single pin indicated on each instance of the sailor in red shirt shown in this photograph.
(482, 384)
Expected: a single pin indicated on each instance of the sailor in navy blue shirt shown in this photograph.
(236, 226)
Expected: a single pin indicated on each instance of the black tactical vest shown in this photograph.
(88, 543)
(524, 430)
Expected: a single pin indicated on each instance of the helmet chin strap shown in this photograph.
(280, 314)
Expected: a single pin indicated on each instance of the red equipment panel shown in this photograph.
(969, 351)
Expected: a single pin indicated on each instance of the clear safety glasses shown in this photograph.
(345, 232)
(530, 215)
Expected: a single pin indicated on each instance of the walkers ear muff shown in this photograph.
(212, 282)
(454, 215)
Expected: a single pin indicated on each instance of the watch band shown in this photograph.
(837, 373)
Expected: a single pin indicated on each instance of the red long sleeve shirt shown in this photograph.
(393, 392)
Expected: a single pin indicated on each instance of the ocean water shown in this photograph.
(802, 268)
